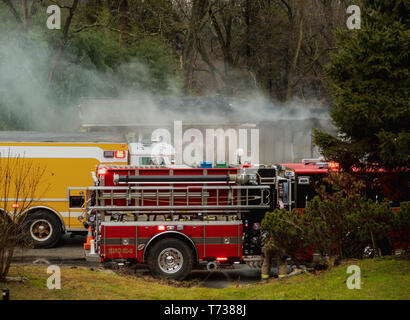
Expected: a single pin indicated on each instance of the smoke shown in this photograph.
(25, 103)
(82, 99)
(142, 108)
(283, 132)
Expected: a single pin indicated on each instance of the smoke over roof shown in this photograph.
(147, 110)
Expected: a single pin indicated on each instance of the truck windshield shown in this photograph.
(151, 161)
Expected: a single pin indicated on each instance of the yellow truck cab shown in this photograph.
(68, 161)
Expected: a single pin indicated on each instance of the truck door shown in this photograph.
(76, 204)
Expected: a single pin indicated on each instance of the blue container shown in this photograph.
(206, 164)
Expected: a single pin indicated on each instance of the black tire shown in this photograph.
(178, 269)
(43, 229)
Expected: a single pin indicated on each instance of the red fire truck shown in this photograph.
(175, 218)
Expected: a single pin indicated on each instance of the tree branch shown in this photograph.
(107, 27)
(15, 14)
(60, 49)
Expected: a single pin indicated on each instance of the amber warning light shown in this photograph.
(119, 154)
(102, 171)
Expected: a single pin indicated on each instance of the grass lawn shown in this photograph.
(383, 278)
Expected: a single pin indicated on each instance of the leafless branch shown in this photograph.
(19, 188)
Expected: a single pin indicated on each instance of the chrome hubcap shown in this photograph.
(170, 260)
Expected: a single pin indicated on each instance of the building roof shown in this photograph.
(37, 136)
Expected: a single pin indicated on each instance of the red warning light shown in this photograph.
(333, 165)
(222, 259)
(120, 154)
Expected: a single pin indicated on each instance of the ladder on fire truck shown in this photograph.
(178, 199)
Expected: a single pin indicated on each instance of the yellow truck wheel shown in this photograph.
(43, 229)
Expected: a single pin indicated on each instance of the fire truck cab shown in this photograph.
(150, 153)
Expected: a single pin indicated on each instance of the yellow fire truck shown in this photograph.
(68, 160)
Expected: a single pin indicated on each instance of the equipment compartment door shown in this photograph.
(223, 240)
(118, 242)
(128, 242)
(231, 240)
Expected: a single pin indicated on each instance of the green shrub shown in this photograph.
(339, 223)
(284, 230)
(401, 224)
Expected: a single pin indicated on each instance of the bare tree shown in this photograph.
(23, 12)
(27, 10)
(291, 41)
(71, 9)
(20, 185)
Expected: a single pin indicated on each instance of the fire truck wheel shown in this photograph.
(170, 258)
(43, 229)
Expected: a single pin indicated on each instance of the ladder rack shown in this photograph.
(173, 199)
